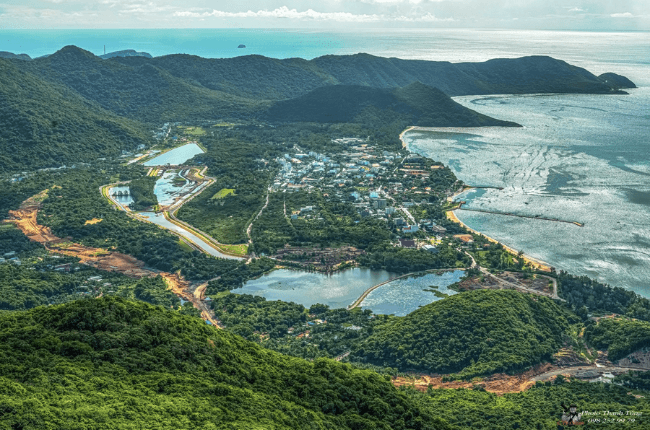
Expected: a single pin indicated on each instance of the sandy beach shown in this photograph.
(536, 263)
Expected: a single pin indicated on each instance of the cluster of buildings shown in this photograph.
(380, 184)
(10, 257)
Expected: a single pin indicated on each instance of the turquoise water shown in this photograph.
(403, 296)
(306, 288)
(176, 156)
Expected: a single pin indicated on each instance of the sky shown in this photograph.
(584, 15)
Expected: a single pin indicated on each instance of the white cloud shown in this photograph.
(622, 15)
(576, 9)
(310, 14)
(285, 12)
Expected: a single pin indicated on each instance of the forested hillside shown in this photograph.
(473, 333)
(415, 104)
(143, 92)
(112, 363)
(48, 125)
(618, 336)
(269, 78)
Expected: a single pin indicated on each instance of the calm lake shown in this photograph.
(342, 288)
(403, 296)
(176, 156)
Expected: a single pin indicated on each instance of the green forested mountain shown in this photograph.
(48, 125)
(144, 92)
(473, 333)
(415, 104)
(74, 106)
(111, 363)
(274, 79)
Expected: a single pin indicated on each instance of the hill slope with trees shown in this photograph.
(48, 125)
(273, 79)
(113, 363)
(415, 104)
(473, 333)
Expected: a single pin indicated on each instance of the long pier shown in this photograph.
(460, 206)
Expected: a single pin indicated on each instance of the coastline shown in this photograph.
(451, 215)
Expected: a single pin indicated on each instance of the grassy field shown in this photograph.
(238, 250)
(194, 131)
(223, 193)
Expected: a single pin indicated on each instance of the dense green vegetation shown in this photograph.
(27, 287)
(78, 200)
(242, 273)
(235, 164)
(588, 295)
(141, 190)
(291, 328)
(258, 77)
(618, 336)
(49, 125)
(536, 408)
(405, 260)
(415, 104)
(108, 363)
(637, 380)
(73, 106)
(473, 333)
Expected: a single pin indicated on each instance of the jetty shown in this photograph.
(460, 207)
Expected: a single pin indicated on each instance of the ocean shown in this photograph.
(578, 157)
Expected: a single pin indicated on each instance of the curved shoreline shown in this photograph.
(535, 262)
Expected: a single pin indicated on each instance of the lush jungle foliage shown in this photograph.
(472, 333)
(637, 380)
(539, 407)
(238, 276)
(619, 336)
(49, 125)
(405, 260)
(141, 190)
(112, 363)
(414, 104)
(78, 200)
(237, 165)
(291, 328)
(588, 295)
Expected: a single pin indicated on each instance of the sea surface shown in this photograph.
(578, 158)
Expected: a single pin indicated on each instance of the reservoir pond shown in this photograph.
(340, 289)
(176, 156)
(160, 220)
(403, 296)
(167, 189)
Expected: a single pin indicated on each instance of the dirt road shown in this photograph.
(25, 219)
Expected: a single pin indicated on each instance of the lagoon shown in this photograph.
(403, 296)
(176, 156)
(337, 290)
